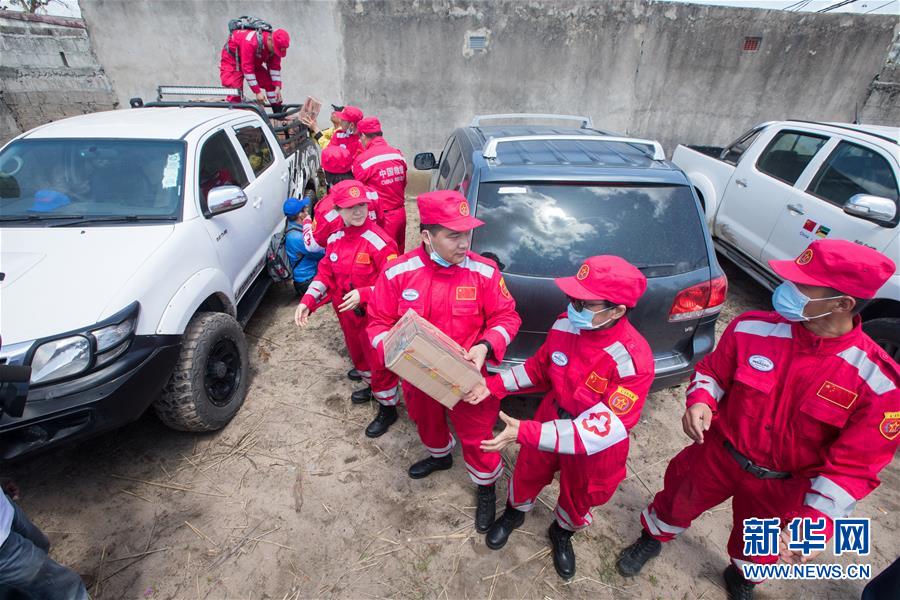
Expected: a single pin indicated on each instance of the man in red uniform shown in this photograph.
(255, 56)
(465, 296)
(596, 370)
(794, 414)
(347, 136)
(354, 258)
(383, 168)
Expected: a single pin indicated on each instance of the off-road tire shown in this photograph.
(185, 403)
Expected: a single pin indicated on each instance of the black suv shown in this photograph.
(551, 197)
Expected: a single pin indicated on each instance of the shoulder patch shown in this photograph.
(890, 425)
(622, 400)
(503, 289)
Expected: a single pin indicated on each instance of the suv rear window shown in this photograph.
(547, 230)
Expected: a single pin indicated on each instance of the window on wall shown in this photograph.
(256, 147)
(852, 169)
(788, 154)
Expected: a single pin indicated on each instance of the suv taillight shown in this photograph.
(699, 300)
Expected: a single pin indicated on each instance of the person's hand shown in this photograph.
(477, 394)
(310, 123)
(301, 316)
(261, 97)
(505, 437)
(351, 301)
(278, 95)
(794, 557)
(477, 354)
(11, 489)
(696, 420)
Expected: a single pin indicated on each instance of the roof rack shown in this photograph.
(586, 122)
(490, 148)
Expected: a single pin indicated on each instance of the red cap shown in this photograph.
(349, 192)
(447, 208)
(368, 125)
(607, 278)
(849, 268)
(336, 159)
(350, 114)
(281, 40)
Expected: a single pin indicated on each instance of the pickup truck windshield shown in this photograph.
(97, 180)
(547, 230)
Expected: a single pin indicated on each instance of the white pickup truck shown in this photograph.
(134, 249)
(784, 184)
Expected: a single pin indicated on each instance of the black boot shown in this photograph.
(426, 467)
(485, 508)
(361, 396)
(387, 416)
(353, 375)
(563, 553)
(738, 587)
(632, 559)
(503, 527)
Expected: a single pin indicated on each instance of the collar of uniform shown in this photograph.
(824, 345)
(375, 142)
(355, 230)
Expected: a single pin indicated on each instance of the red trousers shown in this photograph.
(473, 424)
(703, 476)
(584, 481)
(366, 360)
(234, 78)
(395, 226)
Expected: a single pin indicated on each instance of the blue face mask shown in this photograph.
(585, 318)
(440, 259)
(790, 302)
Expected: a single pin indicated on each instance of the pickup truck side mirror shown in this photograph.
(425, 161)
(880, 211)
(223, 199)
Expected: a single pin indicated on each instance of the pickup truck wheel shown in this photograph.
(209, 382)
(886, 333)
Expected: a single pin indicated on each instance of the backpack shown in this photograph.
(246, 22)
(279, 266)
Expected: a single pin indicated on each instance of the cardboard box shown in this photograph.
(426, 357)
(311, 108)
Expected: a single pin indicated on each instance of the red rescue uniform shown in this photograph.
(825, 410)
(347, 140)
(260, 67)
(383, 168)
(354, 259)
(327, 220)
(596, 381)
(469, 302)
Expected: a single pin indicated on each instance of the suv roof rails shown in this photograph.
(586, 122)
(490, 148)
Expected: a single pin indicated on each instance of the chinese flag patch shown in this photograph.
(622, 400)
(810, 225)
(466, 293)
(363, 258)
(596, 383)
(837, 395)
(890, 425)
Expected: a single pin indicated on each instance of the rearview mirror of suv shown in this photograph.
(223, 199)
(425, 161)
(872, 208)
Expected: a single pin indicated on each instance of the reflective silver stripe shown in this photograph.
(502, 331)
(382, 158)
(830, 498)
(271, 94)
(377, 339)
(372, 195)
(764, 329)
(521, 376)
(562, 517)
(331, 215)
(509, 381)
(707, 383)
(868, 370)
(386, 393)
(524, 505)
(387, 397)
(316, 289)
(439, 452)
(547, 443)
(486, 270)
(481, 478)
(334, 237)
(408, 265)
(373, 239)
(662, 525)
(564, 325)
(741, 563)
(250, 36)
(619, 353)
(566, 431)
(274, 72)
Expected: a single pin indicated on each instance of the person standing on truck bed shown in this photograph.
(383, 168)
(255, 55)
(793, 416)
(596, 371)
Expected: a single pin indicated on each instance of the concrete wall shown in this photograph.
(47, 72)
(675, 72)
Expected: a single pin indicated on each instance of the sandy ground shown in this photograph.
(291, 500)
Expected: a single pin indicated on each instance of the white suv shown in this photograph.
(133, 251)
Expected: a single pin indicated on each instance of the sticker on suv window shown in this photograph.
(512, 190)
